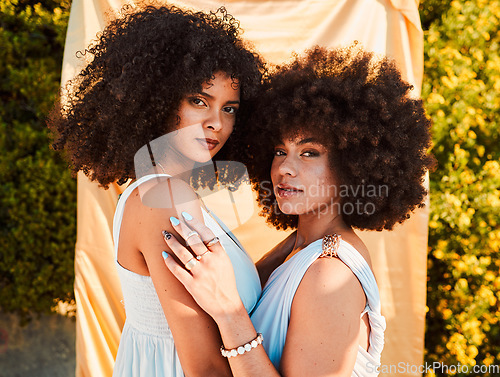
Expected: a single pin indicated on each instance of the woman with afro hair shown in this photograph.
(337, 142)
(158, 99)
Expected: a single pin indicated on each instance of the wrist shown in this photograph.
(247, 347)
(230, 314)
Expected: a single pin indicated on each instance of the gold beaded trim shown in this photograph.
(330, 246)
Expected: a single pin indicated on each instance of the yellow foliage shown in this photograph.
(462, 93)
(436, 98)
(462, 285)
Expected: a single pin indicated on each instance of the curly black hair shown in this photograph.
(143, 64)
(361, 110)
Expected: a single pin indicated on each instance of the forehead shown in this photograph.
(299, 138)
(221, 80)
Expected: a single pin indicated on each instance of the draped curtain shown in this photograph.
(276, 28)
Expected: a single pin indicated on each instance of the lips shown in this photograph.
(287, 191)
(209, 143)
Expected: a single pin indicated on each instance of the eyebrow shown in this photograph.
(308, 140)
(304, 141)
(205, 94)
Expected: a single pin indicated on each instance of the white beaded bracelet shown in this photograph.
(247, 347)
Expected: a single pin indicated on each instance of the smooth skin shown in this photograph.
(196, 335)
(325, 329)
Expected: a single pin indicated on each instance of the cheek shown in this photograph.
(228, 129)
(274, 171)
(189, 117)
(321, 183)
(184, 119)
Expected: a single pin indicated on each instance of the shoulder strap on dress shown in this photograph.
(120, 207)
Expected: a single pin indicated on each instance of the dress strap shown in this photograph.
(120, 207)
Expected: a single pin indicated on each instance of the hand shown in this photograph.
(206, 270)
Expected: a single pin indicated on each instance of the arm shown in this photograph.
(323, 332)
(195, 333)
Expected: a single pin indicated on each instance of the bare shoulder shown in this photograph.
(151, 205)
(329, 283)
(162, 193)
(324, 321)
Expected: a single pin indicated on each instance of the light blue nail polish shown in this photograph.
(187, 216)
(174, 221)
(164, 254)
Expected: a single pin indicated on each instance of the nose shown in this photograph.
(213, 121)
(287, 167)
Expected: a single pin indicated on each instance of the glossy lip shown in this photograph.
(209, 143)
(284, 190)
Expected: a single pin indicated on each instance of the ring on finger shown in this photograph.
(212, 242)
(198, 257)
(191, 234)
(191, 263)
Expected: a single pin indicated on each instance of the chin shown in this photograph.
(202, 160)
(202, 157)
(288, 209)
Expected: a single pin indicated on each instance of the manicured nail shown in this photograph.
(166, 234)
(187, 216)
(164, 254)
(174, 221)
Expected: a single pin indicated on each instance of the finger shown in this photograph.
(205, 232)
(207, 236)
(192, 238)
(178, 271)
(183, 254)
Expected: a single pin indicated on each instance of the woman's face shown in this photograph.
(206, 119)
(302, 177)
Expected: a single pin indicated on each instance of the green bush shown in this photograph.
(462, 94)
(37, 193)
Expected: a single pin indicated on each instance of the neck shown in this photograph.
(314, 226)
(176, 165)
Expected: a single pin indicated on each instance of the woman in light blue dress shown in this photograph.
(156, 103)
(344, 144)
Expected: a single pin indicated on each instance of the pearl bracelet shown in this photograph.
(247, 347)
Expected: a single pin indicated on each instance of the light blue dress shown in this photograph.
(271, 316)
(146, 346)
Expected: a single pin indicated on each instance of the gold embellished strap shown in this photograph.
(330, 246)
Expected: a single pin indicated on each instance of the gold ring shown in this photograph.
(191, 263)
(212, 242)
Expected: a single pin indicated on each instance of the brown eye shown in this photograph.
(230, 110)
(197, 101)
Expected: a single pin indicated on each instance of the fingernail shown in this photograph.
(174, 221)
(187, 216)
(166, 234)
(164, 254)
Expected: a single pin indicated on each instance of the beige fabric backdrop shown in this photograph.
(277, 28)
